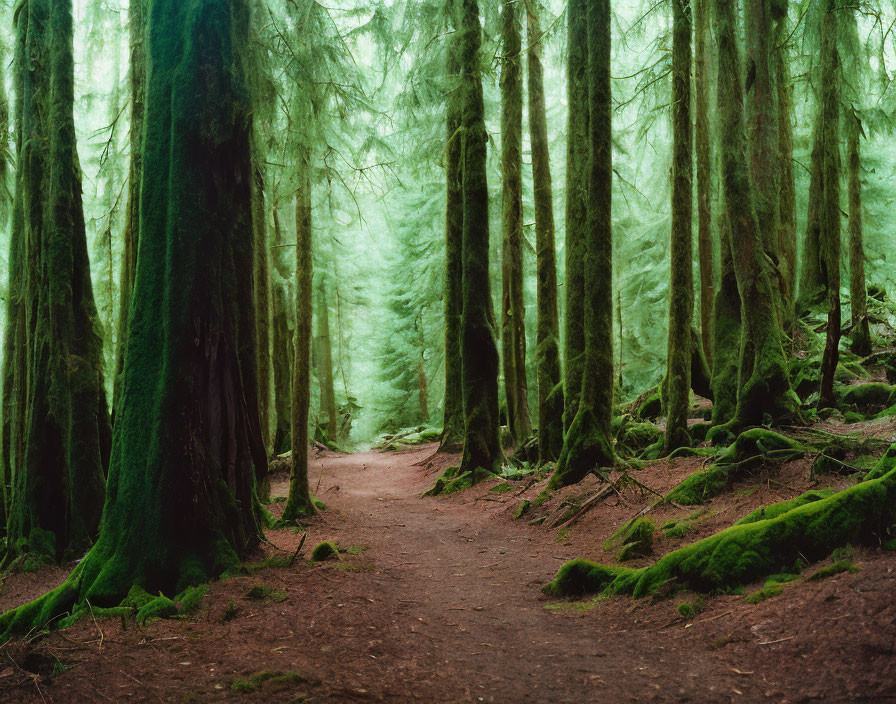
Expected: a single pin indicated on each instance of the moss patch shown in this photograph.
(268, 680)
(839, 567)
(324, 551)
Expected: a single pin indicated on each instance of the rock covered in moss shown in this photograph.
(324, 551)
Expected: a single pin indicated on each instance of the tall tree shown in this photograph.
(299, 502)
(548, 371)
(482, 446)
(588, 443)
(703, 149)
(576, 207)
(181, 505)
(61, 431)
(262, 302)
(765, 389)
(681, 305)
(829, 209)
(137, 82)
(323, 360)
(513, 310)
(453, 406)
(786, 179)
(282, 342)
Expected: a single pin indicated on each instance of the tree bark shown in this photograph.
(324, 357)
(61, 430)
(681, 290)
(549, 374)
(482, 447)
(765, 391)
(513, 310)
(576, 207)
(282, 342)
(453, 409)
(703, 148)
(588, 443)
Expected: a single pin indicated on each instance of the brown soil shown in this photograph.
(442, 603)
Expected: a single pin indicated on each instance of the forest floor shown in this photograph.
(439, 600)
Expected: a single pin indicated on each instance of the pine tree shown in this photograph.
(681, 305)
(59, 428)
(588, 443)
(513, 310)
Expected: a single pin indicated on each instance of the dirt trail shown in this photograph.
(443, 604)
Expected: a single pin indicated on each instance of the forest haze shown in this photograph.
(516, 311)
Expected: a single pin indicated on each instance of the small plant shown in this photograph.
(230, 612)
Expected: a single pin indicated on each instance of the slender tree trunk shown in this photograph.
(858, 294)
(181, 505)
(549, 373)
(703, 150)
(262, 304)
(786, 180)
(727, 331)
(482, 447)
(811, 282)
(681, 305)
(299, 503)
(282, 342)
(576, 207)
(58, 475)
(453, 408)
(513, 310)
(423, 388)
(766, 390)
(324, 356)
(588, 443)
(830, 207)
(137, 31)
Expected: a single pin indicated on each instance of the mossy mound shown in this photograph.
(867, 398)
(635, 540)
(752, 449)
(744, 553)
(262, 592)
(884, 465)
(778, 509)
(838, 567)
(634, 438)
(651, 407)
(324, 551)
(453, 481)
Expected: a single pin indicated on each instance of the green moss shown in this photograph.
(747, 552)
(190, 600)
(502, 488)
(262, 592)
(884, 465)
(522, 508)
(651, 408)
(635, 540)
(775, 510)
(634, 438)
(267, 679)
(159, 607)
(325, 551)
(752, 449)
(543, 497)
(764, 593)
(838, 567)
(688, 610)
(867, 397)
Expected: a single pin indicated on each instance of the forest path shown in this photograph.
(451, 608)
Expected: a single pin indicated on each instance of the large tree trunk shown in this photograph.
(576, 207)
(299, 503)
(138, 38)
(453, 407)
(513, 310)
(681, 291)
(181, 505)
(786, 180)
(63, 424)
(858, 294)
(765, 391)
(811, 281)
(727, 330)
(829, 119)
(482, 447)
(262, 289)
(703, 149)
(549, 374)
(588, 443)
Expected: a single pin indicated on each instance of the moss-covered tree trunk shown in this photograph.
(765, 391)
(858, 294)
(324, 360)
(786, 180)
(63, 422)
(482, 446)
(588, 443)
(282, 343)
(262, 303)
(703, 149)
(548, 371)
(762, 126)
(137, 82)
(299, 502)
(811, 280)
(453, 403)
(181, 505)
(513, 309)
(726, 332)
(681, 289)
(829, 239)
(576, 207)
